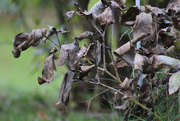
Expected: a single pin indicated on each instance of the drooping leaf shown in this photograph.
(65, 88)
(23, 41)
(116, 6)
(70, 14)
(128, 86)
(85, 14)
(174, 82)
(84, 71)
(97, 9)
(84, 35)
(162, 61)
(120, 2)
(80, 54)
(107, 17)
(49, 68)
(144, 24)
(68, 51)
(131, 14)
(155, 10)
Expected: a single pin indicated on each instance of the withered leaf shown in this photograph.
(80, 54)
(174, 5)
(68, 51)
(86, 34)
(131, 14)
(62, 31)
(72, 56)
(48, 69)
(155, 10)
(144, 24)
(116, 6)
(85, 14)
(70, 14)
(120, 2)
(91, 51)
(23, 41)
(167, 38)
(120, 63)
(97, 9)
(85, 70)
(66, 86)
(162, 61)
(140, 61)
(107, 17)
(128, 86)
(174, 82)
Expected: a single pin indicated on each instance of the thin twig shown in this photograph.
(52, 41)
(144, 107)
(131, 98)
(58, 39)
(164, 73)
(124, 34)
(114, 64)
(104, 49)
(89, 102)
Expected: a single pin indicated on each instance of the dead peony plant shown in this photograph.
(159, 33)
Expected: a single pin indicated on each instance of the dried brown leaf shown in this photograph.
(70, 14)
(23, 41)
(68, 51)
(66, 86)
(48, 69)
(155, 10)
(116, 6)
(144, 24)
(120, 2)
(107, 17)
(162, 61)
(174, 82)
(131, 14)
(86, 34)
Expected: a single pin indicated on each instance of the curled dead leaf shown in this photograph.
(68, 51)
(174, 82)
(23, 41)
(65, 88)
(48, 69)
(86, 34)
(70, 14)
(107, 17)
(144, 24)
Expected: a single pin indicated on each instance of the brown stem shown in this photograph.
(104, 48)
(107, 72)
(53, 42)
(131, 98)
(114, 64)
(164, 73)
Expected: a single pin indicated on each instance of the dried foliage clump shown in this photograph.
(159, 33)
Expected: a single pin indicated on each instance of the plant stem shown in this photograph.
(114, 64)
(107, 72)
(131, 98)
(144, 107)
(58, 39)
(53, 42)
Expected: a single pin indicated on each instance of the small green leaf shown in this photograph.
(174, 82)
